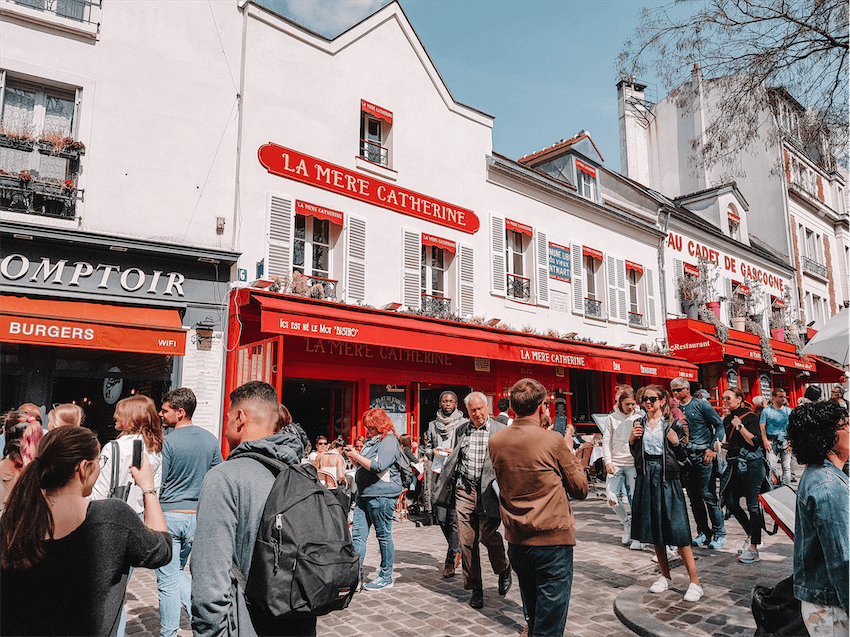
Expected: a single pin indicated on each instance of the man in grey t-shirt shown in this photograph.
(187, 454)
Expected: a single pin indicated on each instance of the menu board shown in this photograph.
(202, 373)
(393, 400)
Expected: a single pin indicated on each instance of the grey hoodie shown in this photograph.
(229, 510)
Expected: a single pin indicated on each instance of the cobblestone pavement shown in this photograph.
(421, 603)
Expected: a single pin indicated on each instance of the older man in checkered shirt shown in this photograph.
(466, 482)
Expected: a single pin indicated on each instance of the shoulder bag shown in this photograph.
(115, 491)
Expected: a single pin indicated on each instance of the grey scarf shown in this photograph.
(447, 424)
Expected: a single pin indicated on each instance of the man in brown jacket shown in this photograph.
(535, 470)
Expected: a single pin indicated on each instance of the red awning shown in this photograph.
(585, 168)
(516, 226)
(445, 244)
(312, 210)
(591, 252)
(292, 316)
(376, 111)
(734, 217)
(690, 269)
(634, 266)
(100, 326)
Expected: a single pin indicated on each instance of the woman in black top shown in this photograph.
(65, 559)
(745, 471)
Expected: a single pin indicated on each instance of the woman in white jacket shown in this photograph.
(137, 419)
(618, 459)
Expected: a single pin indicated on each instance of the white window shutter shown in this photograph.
(766, 309)
(612, 311)
(411, 258)
(622, 305)
(649, 310)
(279, 260)
(498, 281)
(542, 270)
(78, 105)
(577, 275)
(355, 271)
(466, 284)
(678, 273)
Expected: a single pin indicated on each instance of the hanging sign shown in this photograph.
(516, 226)
(376, 111)
(291, 164)
(559, 263)
(690, 269)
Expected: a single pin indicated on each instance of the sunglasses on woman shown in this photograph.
(650, 399)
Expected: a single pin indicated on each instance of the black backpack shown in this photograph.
(304, 562)
(777, 611)
(405, 469)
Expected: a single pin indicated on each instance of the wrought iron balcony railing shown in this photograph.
(810, 266)
(74, 9)
(519, 287)
(432, 304)
(35, 178)
(635, 320)
(592, 308)
(374, 152)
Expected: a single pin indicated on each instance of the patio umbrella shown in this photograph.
(833, 341)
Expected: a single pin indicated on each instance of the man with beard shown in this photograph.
(439, 443)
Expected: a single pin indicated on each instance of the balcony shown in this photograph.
(635, 320)
(593, 308)
(38, 178)
(810, 266)
(374, 152)
(320, 288)
(437, 305)
(79, 10)
(519, 287)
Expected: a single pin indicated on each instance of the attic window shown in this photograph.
(586, 180)
(375, 128)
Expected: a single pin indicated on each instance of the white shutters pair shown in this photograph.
(464, 269)
(499, 269)
(280, 247)
(618, 305)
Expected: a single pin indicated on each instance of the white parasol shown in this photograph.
(833, 341)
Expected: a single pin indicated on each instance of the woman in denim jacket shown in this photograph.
(659, 512)
(745, 470)
(819, 437)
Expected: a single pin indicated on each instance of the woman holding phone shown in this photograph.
(137, 419)
(659, 512)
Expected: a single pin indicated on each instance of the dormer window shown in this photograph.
(734, 223)
(375, 127)
(586, 180)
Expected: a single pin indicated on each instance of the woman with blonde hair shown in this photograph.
(136, 418)
(65, 415)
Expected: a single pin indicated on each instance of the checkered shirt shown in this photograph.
(475, 450)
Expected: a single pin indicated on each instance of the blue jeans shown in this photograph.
(173, 583)
(545, 575)
(622, 480)
(377, 511)
(702, 492)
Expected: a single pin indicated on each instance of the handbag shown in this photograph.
(118, 492)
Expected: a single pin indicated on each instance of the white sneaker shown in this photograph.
(627, 533)
(672, 554)
(694, 593)
(661, 585)
(636, 546)
(745, 547)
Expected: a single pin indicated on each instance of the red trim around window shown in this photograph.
(591, 252)
(519, 227)
(690, 269)
(585, 168)
(634, 266)
(437, 242)
(312, 210)
(376, 111)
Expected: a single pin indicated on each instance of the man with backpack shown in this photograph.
(231, 510)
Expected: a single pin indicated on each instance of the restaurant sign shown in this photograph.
(559, 263)
(291, 164)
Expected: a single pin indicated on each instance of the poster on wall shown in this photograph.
(202, 373)
(559, 262)
(764, 381)
(732, 378)
(393, 400)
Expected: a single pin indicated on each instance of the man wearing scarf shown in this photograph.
(439, 444)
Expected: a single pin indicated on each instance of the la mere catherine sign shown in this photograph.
(291, 164)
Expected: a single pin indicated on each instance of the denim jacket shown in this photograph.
(821, 536)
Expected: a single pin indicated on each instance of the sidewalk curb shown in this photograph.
(630, 608)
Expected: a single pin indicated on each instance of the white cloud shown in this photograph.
(328, 17)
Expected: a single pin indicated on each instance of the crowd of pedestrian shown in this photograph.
(77, 518)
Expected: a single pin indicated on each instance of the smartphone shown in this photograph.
(137, 454)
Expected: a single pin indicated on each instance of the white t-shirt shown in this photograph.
(100, 491)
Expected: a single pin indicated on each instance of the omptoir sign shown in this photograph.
(47, 267)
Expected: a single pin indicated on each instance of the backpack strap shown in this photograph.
(116, 466)
(273, 465)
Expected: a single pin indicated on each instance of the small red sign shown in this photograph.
(376, 111)
(309, 209)
(516, 226)
(590, 252)
(734, 217)
(590, 170)
(445, 244)
(743, 289)
(291, 164)
(690, 269)
(634, 266)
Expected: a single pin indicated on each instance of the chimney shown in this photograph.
(634, 122)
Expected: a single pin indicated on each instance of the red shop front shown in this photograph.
(331, 362)
(739, 363)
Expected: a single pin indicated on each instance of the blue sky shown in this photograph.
(544, 68)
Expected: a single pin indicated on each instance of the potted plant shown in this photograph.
(781, 318)
(688, 290)
(738, 312)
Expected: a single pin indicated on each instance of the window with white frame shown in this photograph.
(593, 286)
(312, 246)
(375, 128)
(37, 112)
(586, 179)
(634, 277)
(434, 266)
(519, 285)
(734, 230)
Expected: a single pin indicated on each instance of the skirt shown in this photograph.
(659, 512)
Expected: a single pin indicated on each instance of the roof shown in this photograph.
(557, 149)
(732, 185)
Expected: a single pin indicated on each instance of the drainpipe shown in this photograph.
(662, 280)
